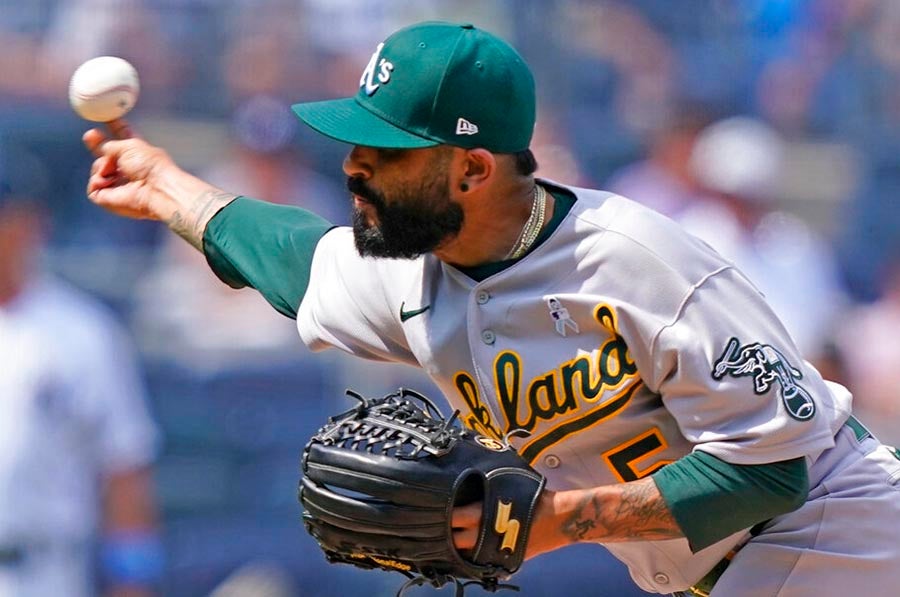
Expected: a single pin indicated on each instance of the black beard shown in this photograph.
(416, 222)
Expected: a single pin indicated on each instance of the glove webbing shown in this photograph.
(434, 435)
(490, 587)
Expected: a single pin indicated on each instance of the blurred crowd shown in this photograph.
(769, 128)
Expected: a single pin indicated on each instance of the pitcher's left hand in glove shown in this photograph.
(381, 481)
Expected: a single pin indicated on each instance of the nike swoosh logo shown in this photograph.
(404, 315)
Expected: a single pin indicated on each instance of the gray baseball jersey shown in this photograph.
(72, 410)
(621, 344)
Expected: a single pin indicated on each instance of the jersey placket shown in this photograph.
(484, 334)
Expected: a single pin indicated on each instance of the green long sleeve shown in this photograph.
(265, 246)
(711, 499)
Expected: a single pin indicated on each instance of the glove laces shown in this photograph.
(490, 587)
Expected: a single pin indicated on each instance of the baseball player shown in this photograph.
(76, 439)
(671, 413)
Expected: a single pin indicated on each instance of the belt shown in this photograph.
(859, 430)
(705, 585)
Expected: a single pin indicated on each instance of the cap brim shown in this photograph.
(346, 120)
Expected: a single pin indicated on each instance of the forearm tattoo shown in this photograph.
(190, 222)
(636, 512)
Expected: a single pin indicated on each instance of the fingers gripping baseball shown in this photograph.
(123, 175)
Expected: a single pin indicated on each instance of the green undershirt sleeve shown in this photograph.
(266, 246)
(711, 499)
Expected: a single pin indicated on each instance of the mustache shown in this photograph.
(358, 187)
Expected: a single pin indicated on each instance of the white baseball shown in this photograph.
(104, 88)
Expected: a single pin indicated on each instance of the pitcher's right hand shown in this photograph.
(127, 176)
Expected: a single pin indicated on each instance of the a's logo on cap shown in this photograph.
(379, 70)
(464, 127)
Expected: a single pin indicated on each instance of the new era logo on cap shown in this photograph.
(464, 127)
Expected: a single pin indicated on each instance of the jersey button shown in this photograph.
(488, 337)
(552, 461)
(661, 578)
(482, 297)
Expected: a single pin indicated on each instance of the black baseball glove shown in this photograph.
(380, 482)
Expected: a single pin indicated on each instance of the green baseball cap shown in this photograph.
(435, 83)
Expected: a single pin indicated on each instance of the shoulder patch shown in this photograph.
(767, 366)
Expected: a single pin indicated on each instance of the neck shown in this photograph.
(494, 222)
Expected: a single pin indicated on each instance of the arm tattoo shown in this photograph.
(634, 511)
(190, 222)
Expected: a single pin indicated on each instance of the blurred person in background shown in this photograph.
(737, 163)
(619, 83)
(76, 440)
(554, 151)
(182, 313)
(872, 359)
(837, 79)
(133, 29)
(664, 180)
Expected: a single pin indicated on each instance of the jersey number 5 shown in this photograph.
(629, 459)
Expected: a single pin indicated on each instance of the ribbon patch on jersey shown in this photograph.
(767, 366)
(560, 316)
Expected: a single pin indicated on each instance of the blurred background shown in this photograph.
(770, 128)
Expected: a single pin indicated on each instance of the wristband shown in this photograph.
(132, 558)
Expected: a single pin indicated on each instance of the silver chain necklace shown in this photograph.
(533, 225)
